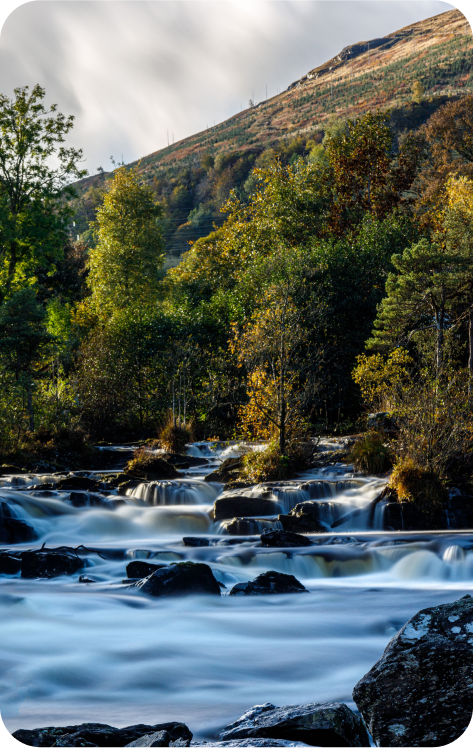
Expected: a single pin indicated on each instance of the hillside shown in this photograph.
(194, 176)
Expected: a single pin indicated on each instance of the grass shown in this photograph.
(269, 464)
(371, 454)
(173, 438)
(417, 485)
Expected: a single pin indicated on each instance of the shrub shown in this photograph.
(269, 464)
(371, 454)
(417, 485)
(173, 438)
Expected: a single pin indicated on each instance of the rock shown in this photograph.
(98, 734)
(227, 507)
(12, 529)
(227, 472)
(420, 693)
(242, 526)
(86, 580)
(153, 468)
(159, 738)
(73, 482)
(304, 517)
(127, 485)
(141, 569)
(11, 470)
(79, 499)
(196, 542)
(254, 742)
(187, 460)
(331, 724)
(9, 564)
(49, 563)
(284, 539)
(179, 579)
(269, 583)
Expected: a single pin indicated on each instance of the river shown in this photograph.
(74, 652)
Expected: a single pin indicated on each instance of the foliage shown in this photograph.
(371, 454)
(33, 215)
(173, 436)
(125, 263)
(377, 375)
(417, 485)
(271, 464)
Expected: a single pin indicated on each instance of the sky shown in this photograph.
(134, 73)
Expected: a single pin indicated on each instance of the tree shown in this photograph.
(33, 212)
(124, 266)
(417, 92)
(22, 336)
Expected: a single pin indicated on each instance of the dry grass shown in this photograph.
(270, 464)
(417, 485)
(173, 438)
(371, 454)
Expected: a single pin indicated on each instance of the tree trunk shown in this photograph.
(470, 346)
(282, 428)
(29, 395)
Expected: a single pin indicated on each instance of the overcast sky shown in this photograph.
(131, 71)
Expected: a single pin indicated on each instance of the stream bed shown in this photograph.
(73, 652)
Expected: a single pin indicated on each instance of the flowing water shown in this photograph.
(74, 652)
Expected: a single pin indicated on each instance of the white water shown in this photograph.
(74, 652)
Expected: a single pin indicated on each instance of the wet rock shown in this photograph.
(77, 482)
(153, 468)
(185, 578)
(269, 583)
(12, 529)
(185, 461)
(304, 517)
(227, 472)
(330, 724)
(159, 738)
(254, 742)
(141, 569)
(9, 564)
(243, 526)
(227, 507)
(420, 693)
(80, 499)
(50, 563)
(86, 580)
(98, 734)
(284, 539)
(11, 470)
(128, 485)
(196, 542)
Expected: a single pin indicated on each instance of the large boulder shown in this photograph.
(12, 529)
(269, 583)
(78, 482)
(11, 470)
(9, 563)
(98, 734)
(331, 724)
(150, 467)
(50, 563)
(284, 539)
(304, 517)
(227, 472)
(227, 507)
(420, 693)
(82, 499)
(185, 578)
(159, 738)
(242, 526)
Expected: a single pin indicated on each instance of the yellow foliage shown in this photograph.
(377, 374)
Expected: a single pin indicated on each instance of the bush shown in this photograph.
(417, 485)
(371, 454)
(269, 464)
(173, 438)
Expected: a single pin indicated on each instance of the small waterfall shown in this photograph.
(454, 554)
(175, 493)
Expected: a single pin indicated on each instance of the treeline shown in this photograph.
(260, 328)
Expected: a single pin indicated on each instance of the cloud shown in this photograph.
(131, 72)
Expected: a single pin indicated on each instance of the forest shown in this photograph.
(333, 296)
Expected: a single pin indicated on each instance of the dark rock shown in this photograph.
(141, 569)
(114, 480)
(253, 742)
(11, 470)
(13, 530)
(227, 507)
(284, 539)
(304, 517)
(155, 468)
(127, 485)
(179, 579)
(331, 724)
(86, 580)
(77, 482)
(407, 516)
(269, 583)
(80, 499)
(420, 693)
(227, 472)
(187, 460)
(9, 564)
(196, 542)
(77, 739)
(159, 738)
(243, 526)
(49, 563)
(98, 734)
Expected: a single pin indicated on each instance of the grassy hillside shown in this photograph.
(193, 177)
